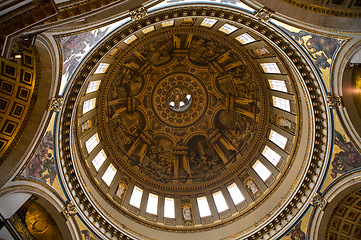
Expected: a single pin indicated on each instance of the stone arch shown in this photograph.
(15, 195)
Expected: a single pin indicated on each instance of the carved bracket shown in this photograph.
(334, 101)
(138, 13)
(319, 201)
(55, 104)
(69, 210)
(264, 14)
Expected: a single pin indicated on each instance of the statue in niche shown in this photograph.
(86, 125)
(187, 214)
(251, 186)
(120, 191)
(284, 122)
(260, 52)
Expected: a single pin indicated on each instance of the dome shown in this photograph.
(189, 121)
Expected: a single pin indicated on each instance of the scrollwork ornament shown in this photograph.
(69, 210)
(138, 13)
(334, 101)
(55, 104)
(318, 201)
(264, 14)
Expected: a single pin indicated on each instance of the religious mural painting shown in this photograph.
(320, 49)
(346, 158)
(42, 164)
(75, 47)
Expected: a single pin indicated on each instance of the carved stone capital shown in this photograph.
(318, 201)
(55, 104)
(264, 14)
(69, 210)
(334, 101)
(138, 13)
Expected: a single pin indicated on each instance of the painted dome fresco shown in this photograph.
(188, 122)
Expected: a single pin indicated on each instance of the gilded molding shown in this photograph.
(69, 210)
(319, 201)
(55, 104)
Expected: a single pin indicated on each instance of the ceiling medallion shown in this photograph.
(183, 108)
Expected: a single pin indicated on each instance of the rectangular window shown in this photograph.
(235, 193)
(148, 29)
(152, 205)
(208, 22)
(89, 105)
(109, 174)
(271, 155)
(169, 211)
(136, 197)
(226, 28)
(245, 38)
(220, 202)
(281, 103)
(93, 86)
(261, 170)
(203, 207)
(278, 139)
(130, 39)
(102, 68)
(92, 142)
(168, 23)
(99, 159)
(278, 85)
(270, 68)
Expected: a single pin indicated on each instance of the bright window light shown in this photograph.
(136, 197)
(270, 68)
(221, 203)
(130, 39)
(278, 139)
(92, 142)
(93, 86)
(271, 155)
(235, 193)
(169, 211)
(89, 105)
(261, 170)
(245, 38)
(152, 205)
(102, 68)
(109, 174)
(208, 22)
(278, 85)
(281, 103)
(226, 28)
(99, 159)
(148, 29)
(203, 207)
(168, 23)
